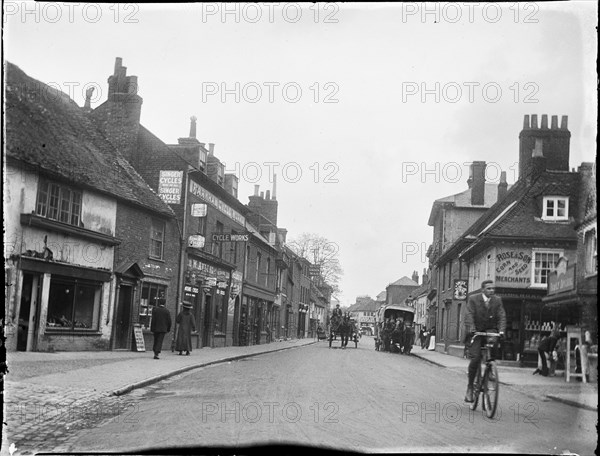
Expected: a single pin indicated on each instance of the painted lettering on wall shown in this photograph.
(513, 268)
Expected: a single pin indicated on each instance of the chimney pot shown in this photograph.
(262, 195)
(502, 186)
(526, 122)
(193, 126)
(118, 64)
(534, 124)
(256, 187)
(274, 186)
(268, 195)
(554, 125)
(564, 122)
(478, 183)
(211, 148)
(544, 121)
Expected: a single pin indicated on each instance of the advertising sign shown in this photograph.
(562, 279)
(231, 237)
(460, 289)
(513, 267)
(169, 186)
(196, 241)
(199, 210)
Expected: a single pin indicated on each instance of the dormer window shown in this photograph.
(556, 208)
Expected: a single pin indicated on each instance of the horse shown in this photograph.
(343, 327)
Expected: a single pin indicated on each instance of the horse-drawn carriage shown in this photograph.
(388, 315)
(346, 328)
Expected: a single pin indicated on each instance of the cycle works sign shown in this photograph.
(513, 268)
(169, 186)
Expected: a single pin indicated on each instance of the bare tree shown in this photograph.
(322, 253)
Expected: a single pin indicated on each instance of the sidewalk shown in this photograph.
(577, 394)
(118, 372)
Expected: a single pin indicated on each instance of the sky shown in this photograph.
(367, 113)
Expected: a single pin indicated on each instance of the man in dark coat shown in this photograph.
(187, 325)
(161, 325)
(485, 312)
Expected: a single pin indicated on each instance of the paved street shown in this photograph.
(355, 399)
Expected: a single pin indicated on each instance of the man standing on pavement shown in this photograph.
(161, 325)
(485, 312)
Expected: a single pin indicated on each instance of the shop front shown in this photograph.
(256, 315)
(208, 288)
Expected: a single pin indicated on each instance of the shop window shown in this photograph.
(590, 241)
(556, 208)
(58, 202)
(544, 262)
(152, 294)
(74, 304)
(157, 238)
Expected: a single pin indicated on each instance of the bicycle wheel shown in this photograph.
(476, 388)
(491, 389)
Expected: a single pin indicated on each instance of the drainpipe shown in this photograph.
(182, 245)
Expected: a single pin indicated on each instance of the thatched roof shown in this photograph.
(49, 132)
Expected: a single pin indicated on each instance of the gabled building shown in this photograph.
(450, 217)
(364, 311)
(519, 242)
(398, 291)
(72, 206)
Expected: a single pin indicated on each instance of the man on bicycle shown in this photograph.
(485, 312)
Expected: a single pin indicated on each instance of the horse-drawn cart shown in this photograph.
(345, 328)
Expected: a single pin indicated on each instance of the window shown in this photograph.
(201, 225)
(590, 246)
(257, 272)
(556, 208)
(268, 272)
(444, 277)
(58, 202)
(74, 304)
(544, 262)
(217, 247)
(152, 293)
(157, 237)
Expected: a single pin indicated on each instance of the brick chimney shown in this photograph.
(415, 277)
(425, 277)
(191, 149)
(231, 184)
(477, 183)
(555, 143)
(502, 186)
(119, 117)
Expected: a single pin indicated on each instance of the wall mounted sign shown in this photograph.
(169, 186)
(460, 289)
(513, 268)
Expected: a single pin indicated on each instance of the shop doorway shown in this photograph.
(207, 321)
(28, 312)
(123, 329)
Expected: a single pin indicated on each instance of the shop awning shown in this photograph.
(67, 270)
(249, 290)
(560, 299)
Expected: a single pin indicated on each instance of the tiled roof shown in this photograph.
(48, 130)
(463, 200)
(381, 296)
(518, 215)
(405, 281)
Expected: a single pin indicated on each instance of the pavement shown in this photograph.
(575, 393)
(74, 388)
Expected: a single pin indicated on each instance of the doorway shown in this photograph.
(123, 329)
(207, 321)
(26, 329)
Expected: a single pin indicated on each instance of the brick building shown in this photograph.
(212, 225)
(521, 239)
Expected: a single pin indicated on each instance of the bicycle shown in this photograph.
(489, 386)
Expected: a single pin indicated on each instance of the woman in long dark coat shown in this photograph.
(186, 325)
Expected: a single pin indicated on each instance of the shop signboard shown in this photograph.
(139, 338)
(245, 237)
(562, 279)
(196, 241)
(460, 289)
(513, 267)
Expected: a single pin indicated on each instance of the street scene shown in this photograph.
(232, 228)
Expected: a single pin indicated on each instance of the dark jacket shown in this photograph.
(161, 320)
(480, 318)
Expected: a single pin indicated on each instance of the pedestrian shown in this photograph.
(186, 325)
(409, 338)
(431, 339)
(485, 313)
(545, 350)
(160, 325)
(424, 338)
